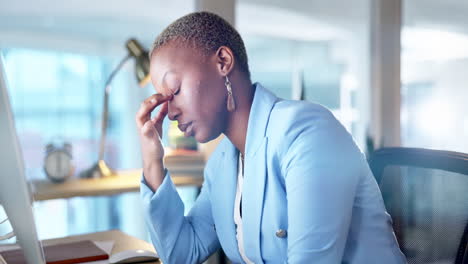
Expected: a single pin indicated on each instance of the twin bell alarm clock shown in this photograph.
(58, 162)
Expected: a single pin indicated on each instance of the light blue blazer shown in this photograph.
(308, 196)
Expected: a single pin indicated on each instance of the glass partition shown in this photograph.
(434, 66)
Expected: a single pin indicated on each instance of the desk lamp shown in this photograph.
(135, 50)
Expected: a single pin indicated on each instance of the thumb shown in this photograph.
(158, 126)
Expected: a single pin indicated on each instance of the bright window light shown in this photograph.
(433, 45)
(436, 118)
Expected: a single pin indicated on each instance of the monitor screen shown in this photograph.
(14, 192)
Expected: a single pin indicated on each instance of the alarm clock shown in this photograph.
(58, 162)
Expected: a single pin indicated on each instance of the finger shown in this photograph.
(148, 129)
(152, 102)
(147, 106)
(154, 97)
(162, 113)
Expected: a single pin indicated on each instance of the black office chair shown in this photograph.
(426, 193)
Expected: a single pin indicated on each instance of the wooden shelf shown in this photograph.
(120, 182)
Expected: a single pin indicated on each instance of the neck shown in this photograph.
(238, 120)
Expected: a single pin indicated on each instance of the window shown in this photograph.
(57, 97)
(434, 65)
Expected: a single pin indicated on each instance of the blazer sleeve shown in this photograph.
(178, 238)
(321, 170)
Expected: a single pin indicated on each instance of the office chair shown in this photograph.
(426, 193)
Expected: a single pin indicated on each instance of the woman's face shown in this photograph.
(199, 102)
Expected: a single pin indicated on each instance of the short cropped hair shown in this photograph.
(207, 32)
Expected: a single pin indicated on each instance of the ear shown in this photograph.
(224, 60)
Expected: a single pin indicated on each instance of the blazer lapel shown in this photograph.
(255, 171)
(252, 200)
(223, 194)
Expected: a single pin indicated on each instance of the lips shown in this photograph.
(183, 127)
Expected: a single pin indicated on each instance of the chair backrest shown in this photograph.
(426, 193)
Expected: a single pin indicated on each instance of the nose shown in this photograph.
(173, 112)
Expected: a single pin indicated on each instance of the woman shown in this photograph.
(286, 184)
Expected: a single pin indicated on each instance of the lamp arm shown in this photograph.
(105, 109)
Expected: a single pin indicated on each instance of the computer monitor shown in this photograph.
(14, 192)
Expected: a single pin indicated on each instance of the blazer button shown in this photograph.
(281, 233)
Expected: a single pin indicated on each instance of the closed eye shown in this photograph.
(177, 92)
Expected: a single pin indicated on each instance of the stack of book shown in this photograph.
(184, 161)
(68, 253)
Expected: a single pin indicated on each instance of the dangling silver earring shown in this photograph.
(231, 104)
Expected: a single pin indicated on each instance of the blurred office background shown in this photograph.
(58, 55)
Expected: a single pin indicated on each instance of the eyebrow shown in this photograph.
(164, 77)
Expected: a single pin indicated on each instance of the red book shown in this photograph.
(69, 253)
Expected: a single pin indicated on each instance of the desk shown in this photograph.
(121, 240)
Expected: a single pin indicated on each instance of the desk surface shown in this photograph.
(121, 240)
(122, 181)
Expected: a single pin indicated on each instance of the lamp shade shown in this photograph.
(142, 61)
